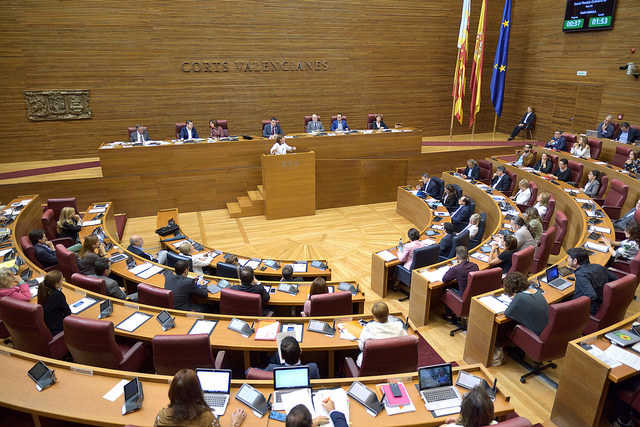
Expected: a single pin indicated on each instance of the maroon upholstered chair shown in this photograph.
(30, 252)
(307, 119)
(371, 117)
(486, 171)
(377, 354)
(335, 304)
(224, 124)
(561, 224)
(616, 196)
(616, 297)
(543, 250)
(479, 282)
(155, 296)
(622, 154)
(240, 303)
(514, 422)
(29, 333)
(566, 322)
(604, 185)
(174, 352)
(58, 204)
(179, 127)
(93, 342)
(595, 147)
(546, 219)
(92, 284)
(532, 200)
(67, 262)
(522, 260)
(577, 170)
(259, 374)
(131, 130)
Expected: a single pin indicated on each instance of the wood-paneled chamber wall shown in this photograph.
(543, 62)
(391, 56)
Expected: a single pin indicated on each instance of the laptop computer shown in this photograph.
(436, 387)
(216, 387)
(554, 279)
(286, 380)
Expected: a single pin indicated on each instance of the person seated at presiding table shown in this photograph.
(339, 124)
(187, 407)
(92, 250)
(140, 134)
(628, 135)
(563, 173)
(581, 147)
(249, 284)
(45, 252)
(472, 170)
(405, 255)
(632, 164)
(280, 147)
(135, 247)
(12, 286)
(290, 351)
(501, 181)
(272, 129)
(102, 270)
(534, 223)
(184, 288)
(606, 128)
(379, 328)
(590, 278)
(314, 125)
(299, 416)
(476, 410)
(627, 249)
(545, 164)
(69, 225)
(542, 203)
(628, 217)
(524, 192)
(378, 124)
(592, 186)
(558, 142)
(523, 235)
(450, 198)
(447, 242)
(460, 271)
(429, 186)
(527, 158)
(503, 259)
(53, 302)
(215, 130)
(318, 287)
(528, 307)
(460, 217)
(287, 274)
(526, 122)
(188, 131)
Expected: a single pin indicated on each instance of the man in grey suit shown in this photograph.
(314, 125)
(140, 135)
(184, 288)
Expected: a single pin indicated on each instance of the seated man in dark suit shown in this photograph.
(45, 252)
(272, 129)
(339, 123)
(290, 351)
(140, 135)
(429, 186)
(558, 142)
(590, 278)
(447, 242)
(628, 135)
(184, 288)
(249, 284)
(188, 132)
(501, 181)
(563, 173)
(135, 247)
(606, 128)
(472, 170)
(460, 217)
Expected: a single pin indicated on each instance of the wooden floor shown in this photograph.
(346, 237)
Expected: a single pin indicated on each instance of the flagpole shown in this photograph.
(453, 103)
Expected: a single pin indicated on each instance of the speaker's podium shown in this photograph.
(289, 183)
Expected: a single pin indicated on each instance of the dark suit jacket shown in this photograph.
(314, 372)
(139, 252)
(547, 168)
(590, 279)
(266, 132)
(529, 121)
(334, 125)
(45, 256)
(254, 289)
(505, 182)
(475, 172)
(559, 144)
(55, 310)
(185, 135)
(563, 176)
(134, 136)
(183, 287)
(460, 218)
(382, 125)
(446, 244)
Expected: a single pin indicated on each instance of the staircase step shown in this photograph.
(234, 210)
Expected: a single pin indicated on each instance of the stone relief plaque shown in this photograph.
(57, 104)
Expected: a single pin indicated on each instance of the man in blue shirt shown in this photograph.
(339, 123)
(558, 142)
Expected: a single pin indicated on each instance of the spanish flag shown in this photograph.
(459, 79)
(476, 69)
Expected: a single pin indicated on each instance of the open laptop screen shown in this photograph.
(552, 273)
(291, 377)
(435, 376)
(214, 380)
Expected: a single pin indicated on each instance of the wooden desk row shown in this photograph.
(78, 395)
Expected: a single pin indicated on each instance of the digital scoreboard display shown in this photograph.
(589, 15)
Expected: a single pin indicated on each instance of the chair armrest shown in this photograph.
(612, 211)
(57, 346)
(64, 241)
(350, 368)
(220, 359)
(134, 357)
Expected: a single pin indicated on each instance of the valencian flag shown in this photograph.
(499, 77)
(476, 69)
(459, 79)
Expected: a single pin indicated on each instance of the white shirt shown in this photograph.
(523, 196)
(279, 149)
(584, 152)
(376, 330)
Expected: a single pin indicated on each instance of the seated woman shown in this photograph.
(187, 407)
(91, 250)
(542, 204)
(632, 164)
(53, 302)
(533, 220)
(318, 287)
(69, 225)
(450, 198)
(505, 258)
(545, 164)
(12, 286)
(215, 131)
(524, 237)
(476, 410)
(629, 247)
(592, 186)
(528, 308)
(524, 193)
(581, 147)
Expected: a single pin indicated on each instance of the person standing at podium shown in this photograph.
(280, 147)
(188, 132)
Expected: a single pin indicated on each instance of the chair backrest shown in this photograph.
(577, 169)
(543, 250)
(480, 282)
(550, 209)
(377, 353)
(595, 147)
(566, 322)
(226, 270)
(49, 224)
(425, 256)
(173, 257)
(486, 170)
(67, 262)
(561, 224)
(461, 239)
(482, 224)
(179, 127)
(240, 303)
(259, 374)
(617, 194)
(622, 154)
(174, 352)
(25, 323)
(92, 342)
(29, 250)
(616, 297)
(132, 129)
(155, 296)
(371, 117)
(335, 304)
(92, 284)
(522, 260)
(59, 203)
(604, 184)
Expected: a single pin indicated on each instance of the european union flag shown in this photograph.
(499, 76)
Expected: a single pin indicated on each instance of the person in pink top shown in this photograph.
(12, 286)
(406, 253)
